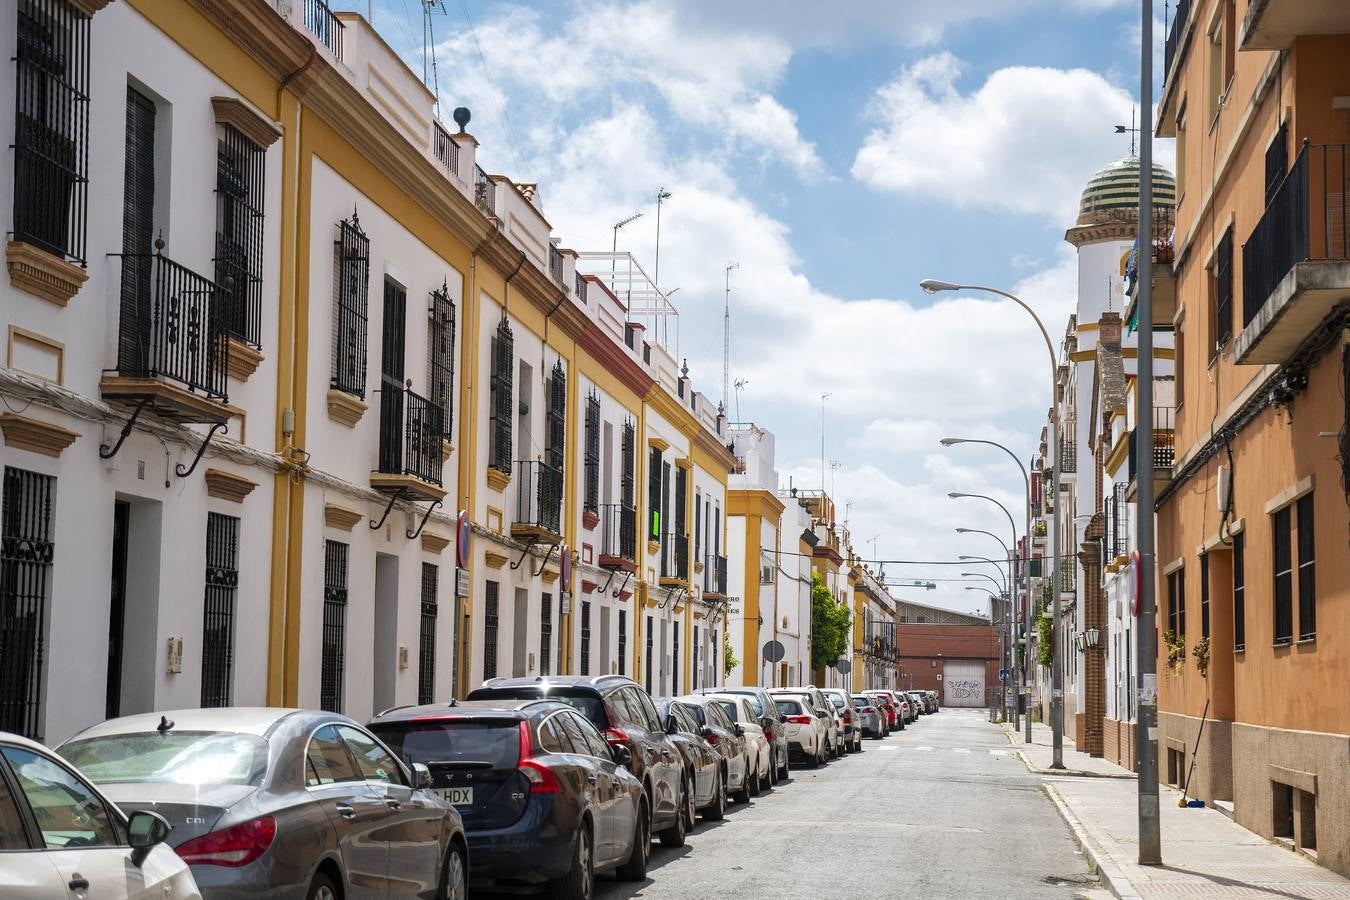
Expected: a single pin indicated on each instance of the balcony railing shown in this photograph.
(555, 264)
(1306, 220)
(579, 287)
(715, 574)
(675, 556)
(1174, 35)
(484, 191)
(618, 532)
(539, 496)
(171, 326)
(1164, 442)
(324, 24)
(411, 434)
(1068, 457)
(445, 148)
(1068, 577)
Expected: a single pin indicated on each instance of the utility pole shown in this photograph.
(726, 338)
(1146, 744)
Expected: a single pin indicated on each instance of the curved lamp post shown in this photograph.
(933, 286)
(1015, 654)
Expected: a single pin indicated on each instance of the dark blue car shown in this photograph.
(544, 798)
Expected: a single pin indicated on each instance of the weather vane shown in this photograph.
(1132, 130)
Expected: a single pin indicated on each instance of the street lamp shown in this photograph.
(1026, 553)
(933, 286)
(1012, 581)
(1003, 666)
(997, 565)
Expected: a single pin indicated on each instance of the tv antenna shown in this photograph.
(740, 384)
(429, 45)
(726, 337)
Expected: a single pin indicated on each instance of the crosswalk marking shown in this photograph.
(998, 752)
(924, 749)
(960, 750)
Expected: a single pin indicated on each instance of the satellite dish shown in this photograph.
(462, 117)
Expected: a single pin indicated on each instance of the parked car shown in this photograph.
(870, 716)
(623, 712)
(818, 705)
(727, 738)
(285, 803)
(886, 703)
(920, 702)
(842, 700)
(739, 710)
(805, 730)
(903, 707)
(933, 700)
(544, 798)
(773, 728)
(704, 764)
(61, 837)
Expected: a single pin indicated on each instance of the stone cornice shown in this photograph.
(35, 435)
(1106, 231)
(755, 501)
(597, 342)
(251, 124)
(710, 445)
(340, 517)
(225, 485)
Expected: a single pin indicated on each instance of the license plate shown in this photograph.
(456, 796)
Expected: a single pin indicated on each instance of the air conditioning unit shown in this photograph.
(1222, 485)
(766, 574)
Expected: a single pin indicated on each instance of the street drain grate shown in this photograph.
(1083, 879)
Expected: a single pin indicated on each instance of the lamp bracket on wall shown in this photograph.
(182, 472)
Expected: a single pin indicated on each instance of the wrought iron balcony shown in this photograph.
(1164, 449)
(445, 148)
(555, 264)
(484, 191)
(411, 448)
(1068, 457)
(171, 331)
(1296, 263)
(539, 497)
(1068, 577)
(618, 537)
(715, 576)
(324, 24)
(674, 558)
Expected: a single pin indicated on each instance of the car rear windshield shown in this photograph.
(788, 707)
(176, 757)
(862, 701)
(837, 700)
(584, 701)
(479, 743)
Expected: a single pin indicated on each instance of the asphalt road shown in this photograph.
(939, 810)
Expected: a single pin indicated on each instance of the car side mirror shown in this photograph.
(672, 725)
(740, 732)
(820, 714)
(622, 755)
(145, 830)
(705, 732)
(421, 776)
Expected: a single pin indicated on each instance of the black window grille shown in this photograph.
(502, 415)
(1284, 576)
(27, 550)
(240, 171)
(698, 524)
(490, 631)
(649, 654)
(1176, 603)
(585, 637)
(1277, 161)
(441, 355)
(51, 128)
(546, 636)
(557, 418)
(555, 264)
(426, 652)
(654, 495)
(1204, 596)
(628, 493)
(334, 662)
(592, 502)
(681, 490)
(1307, 570)
(693, 665)
(1239, 592)
(623, 642)
(351, 279)
(222, 588)
(1223, 291)
(675, 659)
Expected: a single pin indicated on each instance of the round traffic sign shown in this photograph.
(1136, 583)
(843, 666)
(463, 538)
(565, 568)
(773, 651)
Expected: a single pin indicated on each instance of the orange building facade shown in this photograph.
(1253, 546)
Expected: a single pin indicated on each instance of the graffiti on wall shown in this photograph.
(964, 690)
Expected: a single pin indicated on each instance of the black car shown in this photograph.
(544, 798)
(705, 766)
(625, 715)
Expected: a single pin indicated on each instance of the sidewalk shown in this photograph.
(1205, 854)
(1039, 753)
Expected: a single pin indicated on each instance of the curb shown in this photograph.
(1111, 875)
(1059, 773)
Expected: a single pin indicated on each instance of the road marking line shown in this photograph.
(998, 752)
(924, 749)
(960, 750)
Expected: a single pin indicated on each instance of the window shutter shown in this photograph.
(441, 355)
(1223, 276)
(503, 358)
(654, 495)
(557, 418)
(592, 503)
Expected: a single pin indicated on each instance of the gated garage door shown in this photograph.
(962, 683)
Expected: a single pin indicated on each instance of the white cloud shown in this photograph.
(1025, 141)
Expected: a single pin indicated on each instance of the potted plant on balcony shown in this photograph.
(1176, 651)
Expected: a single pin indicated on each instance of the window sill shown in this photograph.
(244, 359)
(1310, 639)
(42, 274)
(1240, 650)
(344, 408)
(1288, 642)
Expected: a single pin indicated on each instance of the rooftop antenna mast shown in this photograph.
(726, 337)
(740, 384)
(429, 45)
(1132, 131)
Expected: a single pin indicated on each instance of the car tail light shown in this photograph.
(541, 777)
(617, 737)
(232, 847)
(768, 734)
(848, 717)
(869, 709)
(799, 720)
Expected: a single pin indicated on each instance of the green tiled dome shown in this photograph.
(1116, 187)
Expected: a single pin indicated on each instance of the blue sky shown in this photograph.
(840, 154)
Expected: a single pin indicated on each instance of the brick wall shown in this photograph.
(924, 648)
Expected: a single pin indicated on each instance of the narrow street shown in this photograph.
(941, 809)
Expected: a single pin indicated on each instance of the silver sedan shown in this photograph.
(280, 803)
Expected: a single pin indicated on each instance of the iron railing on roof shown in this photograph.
(1164, 441)
(445, 148)
(484, 191)
(324, 24)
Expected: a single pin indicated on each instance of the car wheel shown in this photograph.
(635, 869)
(321, 888)
(579, 881)
(455, 878)
(754, 785)
(717, 810)
(743, 795)
(684, 817)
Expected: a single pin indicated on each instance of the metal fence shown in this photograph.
(411, 432)
(1164, 441)
(222, 586)
(240, 182)
(426, 643)
(334, 636)
(324, 24)
(352, 280)
(27, 550)
(539, 495)
(171, 326)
